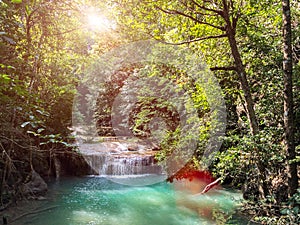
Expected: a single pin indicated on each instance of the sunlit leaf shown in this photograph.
(32, 132)
(25, 123)
(16, 1)
(40, 130)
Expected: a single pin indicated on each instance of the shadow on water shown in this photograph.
(97, 200)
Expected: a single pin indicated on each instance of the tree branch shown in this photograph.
(198, 12)
(193, 40)
(234, 22)
(174, 12)
(24, 147)
(211, 185)
(219, 12)
(225, 68)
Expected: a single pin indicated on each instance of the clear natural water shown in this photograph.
(97, 200)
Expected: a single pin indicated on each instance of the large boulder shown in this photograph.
(36, 186)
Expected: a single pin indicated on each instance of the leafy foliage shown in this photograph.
(42, 54)
(259, 39)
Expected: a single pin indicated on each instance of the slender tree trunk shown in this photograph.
(249, 106)
(244, 83)
(289, 144)
(240, 69)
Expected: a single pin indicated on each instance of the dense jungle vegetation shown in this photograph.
(251, 47)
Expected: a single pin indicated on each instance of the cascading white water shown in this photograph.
(107, 164)
(114, 158)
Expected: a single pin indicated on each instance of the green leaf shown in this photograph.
(32, 132)
(11, 67)
(65, 143)
(5, 77)
(40, 130)
(53, 140)
(296, 210)
(25, 124)
(16, 1)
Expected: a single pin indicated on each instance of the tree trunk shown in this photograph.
(230, 31)
(288, 99)
(249, 106)
(240, 69)
(244, 84)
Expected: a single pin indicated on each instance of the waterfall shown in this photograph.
(114, 158)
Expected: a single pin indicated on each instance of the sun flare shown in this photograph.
(99, 23)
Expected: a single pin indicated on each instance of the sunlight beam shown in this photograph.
(99, 23)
